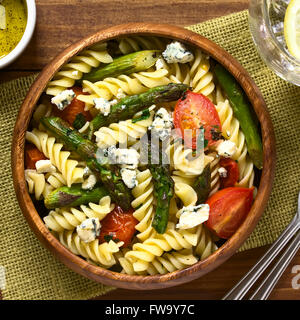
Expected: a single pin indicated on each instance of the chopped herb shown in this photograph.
(216, 134)
(79, 121)
(109, 237)
(145, 115)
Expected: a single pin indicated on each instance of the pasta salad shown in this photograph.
(141, 154)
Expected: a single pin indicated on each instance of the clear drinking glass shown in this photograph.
(266, 25)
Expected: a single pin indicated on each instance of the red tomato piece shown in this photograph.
(32, 155)
(118, 225)
(194, 111)
(232, 176)
(73, 109)
(228, 209)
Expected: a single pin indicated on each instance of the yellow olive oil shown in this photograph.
(15, 24)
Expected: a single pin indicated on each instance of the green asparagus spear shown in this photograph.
(163, 187)
(242, 111)
(133, 62)
(108, 173)
(129, 106)
(202, 185)
(73, 196)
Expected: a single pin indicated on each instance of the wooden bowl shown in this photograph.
(197, 270)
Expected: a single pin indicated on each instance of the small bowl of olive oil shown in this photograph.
(17, 23)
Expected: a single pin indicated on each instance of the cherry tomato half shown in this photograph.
(228, 209)
(194, 111)
(32, 155)
(118, 225)
(232, 175)
(73, 109)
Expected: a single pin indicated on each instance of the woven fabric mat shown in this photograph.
(31, 272)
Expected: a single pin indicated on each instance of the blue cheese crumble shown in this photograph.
(162, 124)
(128, 159)
(192, 216)
(89, 183)
(226, 149)
(102, 105)
(89, 229)
(63, 99)
(176, 52)
(129, 177)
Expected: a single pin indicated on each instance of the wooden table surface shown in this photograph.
(62, 22)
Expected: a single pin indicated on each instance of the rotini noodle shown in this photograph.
(58, 158)
(123, 132)
(80, 64)
(134, 83)
(62, 219)
(103, 253)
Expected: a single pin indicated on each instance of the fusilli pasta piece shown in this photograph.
(58, 157)
(205, 246)
(132, 44)
(231, 131)
(143, 204)
(143, 253)
(134, 83)
(37, 184)
(78, 65)
(62, 219)
(103, 253)
(123, 132)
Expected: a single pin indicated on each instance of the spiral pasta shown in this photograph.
(182, 160)
(102, 254)
(195, 74)
(205, 246)
(37, 184)
(143, 204)
(62, 219)
(58, 157)
(231, 131)
(134, 83)
(168, 262)
(132, 44)
(123, 132)
(80, 64)
(143, 253)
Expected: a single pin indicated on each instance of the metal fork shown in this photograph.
(264, 290)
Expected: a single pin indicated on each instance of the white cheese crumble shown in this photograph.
(222, 172)
(2, 18)
(89, 183)
(192, 216)
(86, 171)
(129, 177)
(162, 124)
(226, 149)
(120, 95)
(44, 166)
(63, 99)
(159, 63)
(177, 52)
(89, 229)
(102, 105)
(127, 158)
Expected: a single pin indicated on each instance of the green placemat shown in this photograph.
(31, 272)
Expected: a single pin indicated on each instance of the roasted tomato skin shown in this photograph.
(32, 155)
(194, 111)
(228, 209)
(118, 225)
(232, 169)
(73, 109)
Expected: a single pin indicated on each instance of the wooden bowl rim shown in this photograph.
(105, 276)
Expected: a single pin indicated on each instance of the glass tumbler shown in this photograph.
(266, 19)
